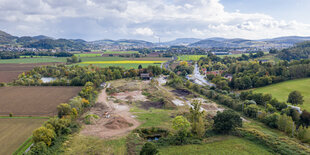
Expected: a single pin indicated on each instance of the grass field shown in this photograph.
(282, 90)
(126, 66)
(152, 117)
(125, 63)
(228, 145)
(33, 60)
(190, 57)
(34, 101)
(14, 132)
(79, 144)
(28, 56)
(120, 52)
(88, 55)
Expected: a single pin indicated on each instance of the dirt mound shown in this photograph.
(149, 104)
(181, 92)
(118, 123)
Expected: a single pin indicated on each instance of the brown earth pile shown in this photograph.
(118, 123)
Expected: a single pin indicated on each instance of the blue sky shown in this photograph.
(150, 20)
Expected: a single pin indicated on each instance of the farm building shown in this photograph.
(145, 76)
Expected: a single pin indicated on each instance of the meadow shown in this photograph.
(126, 66)
(123, 63)
(221, 145)
(88, 55)
(190, 57)
(120, 52)
(15, 131)
(282, 90)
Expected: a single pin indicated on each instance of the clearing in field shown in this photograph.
(190, 57)
(34, 101)
(15, 131)
(10, 72)
(218, 145)
(282, 90)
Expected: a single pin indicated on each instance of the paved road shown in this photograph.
(166, 64)
(199, 79)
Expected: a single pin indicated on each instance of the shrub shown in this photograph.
(251, 110)
(271, 120)
(43, 134)
(64, 109)
(149, 149)
(38, 149)
(226, 121)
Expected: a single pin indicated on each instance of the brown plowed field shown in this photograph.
(15, 131)
(34, 101)
(10, 72)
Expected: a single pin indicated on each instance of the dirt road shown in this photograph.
(120, 122)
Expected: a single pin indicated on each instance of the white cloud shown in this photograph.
(144, 31)
(139, 19)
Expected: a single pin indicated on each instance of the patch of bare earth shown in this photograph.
(130, 96)
(115, 119)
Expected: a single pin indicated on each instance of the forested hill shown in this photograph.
(300, 51)
(59, 43)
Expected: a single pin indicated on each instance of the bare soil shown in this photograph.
(10, 72)
(15, 131)
(130, 96)
(34, 101)
(115, 119)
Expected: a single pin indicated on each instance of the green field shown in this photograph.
(221, 145)
(34, 60)
(34, 56)
(120, 52)
(282, 90)
(15, 131)
(126, 66)
(190, 57)
(79, 144)
(88, 55)
(152, 117)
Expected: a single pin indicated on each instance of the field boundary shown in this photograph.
(22, 148)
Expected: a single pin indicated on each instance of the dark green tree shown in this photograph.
(226, 121)
(149, 149)
(295, 98)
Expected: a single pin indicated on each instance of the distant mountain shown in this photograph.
(6, 38)
(239, 42)
(122, 42)
(180, 41)
(40, 37)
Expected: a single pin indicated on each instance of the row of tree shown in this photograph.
(49, 136)
(79, 75)
(16, 55)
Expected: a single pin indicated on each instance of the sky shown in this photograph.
(153, 19)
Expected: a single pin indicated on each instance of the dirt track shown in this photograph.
(116, 112)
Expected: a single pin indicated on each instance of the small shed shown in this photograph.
(145, 76)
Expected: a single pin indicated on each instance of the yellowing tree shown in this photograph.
(183, 63)
(43, 134)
